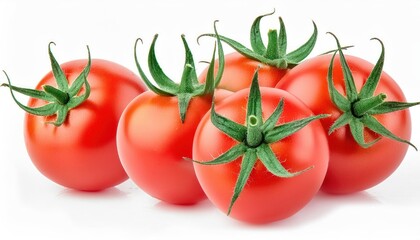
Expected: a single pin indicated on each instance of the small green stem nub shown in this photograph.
(62, 97)
(359, 108)
(272, 46)
(254, 135)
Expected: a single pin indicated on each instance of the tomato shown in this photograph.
(157, 128)
(265, 197)
(272, 60)
(152, 142)
(239, 69)
(82, 153)
(353, 167)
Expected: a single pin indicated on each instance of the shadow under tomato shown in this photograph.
(324, 204)
(109, 193)
(197, 207)
(319, 207)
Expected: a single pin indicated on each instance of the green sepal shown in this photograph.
(358, 109)
(284, 130)
(273, 165)
(334, 51)
(42, 95)
(295, 57)
(59, 100)
(339, 100)
(375, 126)
(46, 110)
(357, 130)
(183, 103)
(341, 121)
(257, 43)
(391, 106)
(254, 107)
(62, 112)
(144, 77)
(163, 81)
(188, 86)
(58, 73)
(229, 127)
(210, 79)
(227, 157)
(270, 123)
(248, 161)
(351, 92)
(254, 139)
(275, 53)
(372, 81)
(77, 100)
(282, 39)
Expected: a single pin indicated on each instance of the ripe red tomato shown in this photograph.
(152, 142)
(265, 197)
(239, 70)
(82, 153)
(157, 128)
(352, 168)
(272, 59)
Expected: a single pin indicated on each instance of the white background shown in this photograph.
(33, 207)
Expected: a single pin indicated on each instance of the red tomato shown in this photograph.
(157, 128)
(265, 197)
(82, 153)
(352, 168)
(271, 59)
(152, 142)
(239, 70)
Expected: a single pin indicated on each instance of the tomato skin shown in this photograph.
(81, 154)
(152, 143)
(265, 198)
(239, 70)
(352, 168)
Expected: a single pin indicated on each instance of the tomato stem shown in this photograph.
(362, 106)
(61, 96)
(272, 45)
(254, 136)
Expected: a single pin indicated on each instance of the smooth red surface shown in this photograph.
(265, 197)
(352, 168)
(239, 70)
(82, 153)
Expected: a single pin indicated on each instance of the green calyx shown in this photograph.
(359, 108)
(254, 139)
(60, 100)
(274, 54)
(189, 85)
